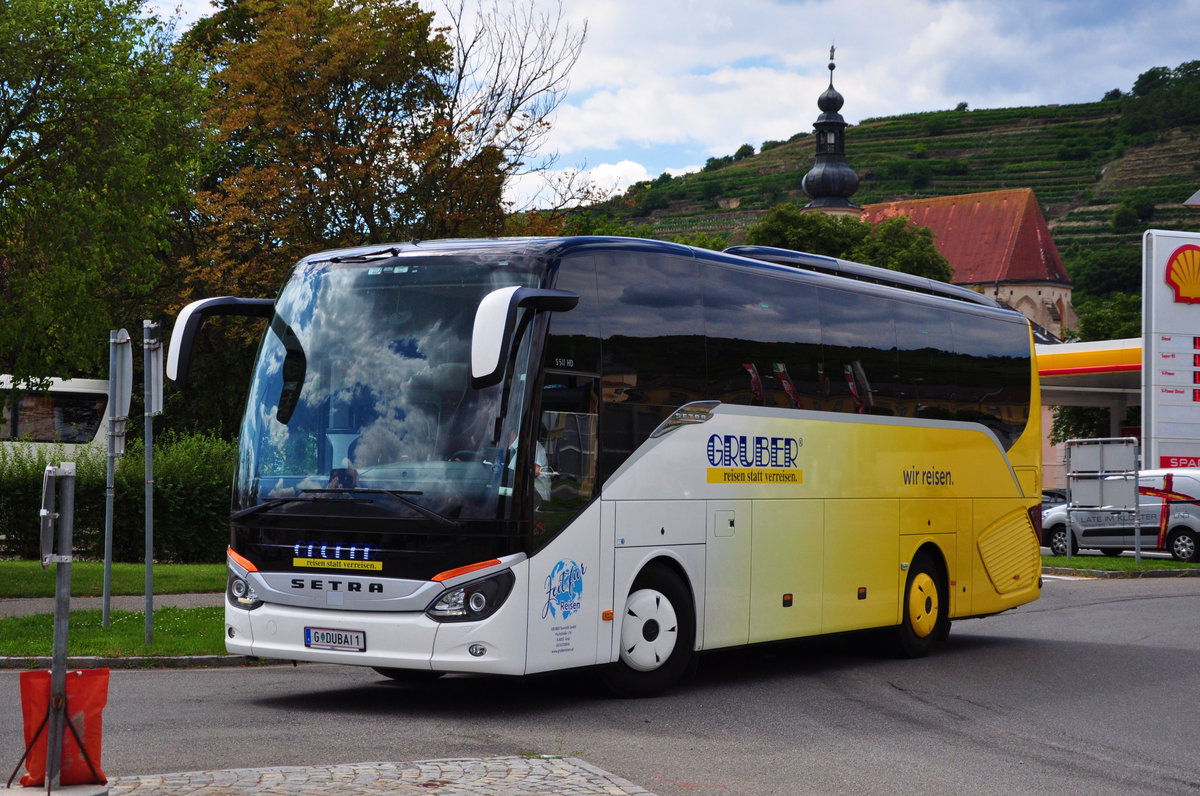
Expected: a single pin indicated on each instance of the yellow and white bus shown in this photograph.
(520, 455)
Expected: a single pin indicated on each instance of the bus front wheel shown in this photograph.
(658, 634)
(926, 619)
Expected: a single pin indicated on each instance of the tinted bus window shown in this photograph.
(925, 385)
(858, 340)
(573, 343)
(652, 346)
(993, 374)
(763, 340)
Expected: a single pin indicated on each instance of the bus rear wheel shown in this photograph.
(658, 634)
(926, 619)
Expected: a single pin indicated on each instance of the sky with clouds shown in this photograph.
(663, 85)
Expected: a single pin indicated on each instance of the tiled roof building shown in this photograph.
(997, 243)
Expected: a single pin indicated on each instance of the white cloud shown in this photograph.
(667, 83)
(702, 74)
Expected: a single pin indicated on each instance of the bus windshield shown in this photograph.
(362, 390)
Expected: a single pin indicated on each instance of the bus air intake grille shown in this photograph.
(1010, 553)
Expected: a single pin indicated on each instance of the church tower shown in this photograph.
(831, 182)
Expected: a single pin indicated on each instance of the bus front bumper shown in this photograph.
(400, 640)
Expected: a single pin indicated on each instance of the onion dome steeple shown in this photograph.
(831, 182)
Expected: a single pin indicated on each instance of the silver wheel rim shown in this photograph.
(1058, 542)
(1184, 547)
(649, 630)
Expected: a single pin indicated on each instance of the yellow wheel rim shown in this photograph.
(923, 605)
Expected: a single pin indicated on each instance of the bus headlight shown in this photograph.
(473, 601)
(241, 594)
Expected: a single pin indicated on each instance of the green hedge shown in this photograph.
(192, 477)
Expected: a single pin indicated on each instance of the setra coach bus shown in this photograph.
(520, 455)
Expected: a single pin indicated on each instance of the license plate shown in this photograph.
(327, 638)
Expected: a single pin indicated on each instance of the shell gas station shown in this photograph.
(1160, 372)
(1102, 374)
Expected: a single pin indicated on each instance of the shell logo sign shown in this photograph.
(1183, 274)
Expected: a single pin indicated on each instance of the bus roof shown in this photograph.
(780, 260)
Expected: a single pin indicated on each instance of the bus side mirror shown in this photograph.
(495, 319)
(193, 316)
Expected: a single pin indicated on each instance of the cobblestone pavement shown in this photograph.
(495, 776)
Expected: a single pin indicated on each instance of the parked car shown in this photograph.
(1052, 498)
(1168, 517)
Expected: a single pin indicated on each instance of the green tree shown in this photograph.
(1124, 218)
(339, 123)
(1154, 79)
(1098, 272)
(786, 226)
(898, 245)
(1112, 317)
(97, 135)
(322, 119)
(894, 243)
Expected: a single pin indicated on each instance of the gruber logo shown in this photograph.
(1183, 274)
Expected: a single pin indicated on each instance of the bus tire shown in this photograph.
(658, 636)
(408, 675)
(1182, 545)
(925, 620)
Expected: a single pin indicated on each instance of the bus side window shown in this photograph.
(777, 367)
(567, 437)
(858, 341)
(925, 388)
(573, 342)
(653, 343)
(56, 416)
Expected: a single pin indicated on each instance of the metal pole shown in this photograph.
(109, 482)
(1070, 504)
(62, 613)
(147, 343)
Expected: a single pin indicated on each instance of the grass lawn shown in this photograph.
(177, 631)
(28, 579)
(1125, 563)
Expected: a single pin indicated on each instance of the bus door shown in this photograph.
(570, 569)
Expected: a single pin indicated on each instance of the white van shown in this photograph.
(71, 412)
(1168, 514)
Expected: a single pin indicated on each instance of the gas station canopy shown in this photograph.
(1105, 373)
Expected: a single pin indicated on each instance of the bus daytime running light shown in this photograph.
(473, 601)
(688, 414)
(241, 594)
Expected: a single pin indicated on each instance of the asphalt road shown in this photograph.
(1092, 689)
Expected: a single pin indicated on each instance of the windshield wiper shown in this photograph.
(305, 496)
(348, 495)
(398, 494)
(366, 256)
